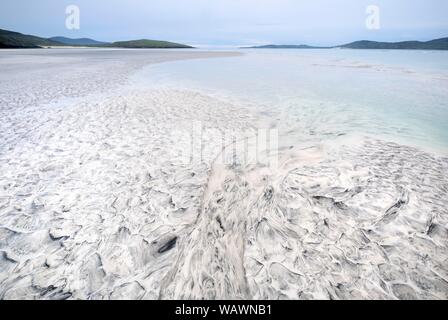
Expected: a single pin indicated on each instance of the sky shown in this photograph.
(231, 22)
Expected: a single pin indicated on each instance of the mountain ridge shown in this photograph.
(77, 41)
(11, 39)
(436, 44)
(17, 40)
(285, 46)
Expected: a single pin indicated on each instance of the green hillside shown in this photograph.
(437, 44)
(154, 44)
(10, 39)
(285, 46)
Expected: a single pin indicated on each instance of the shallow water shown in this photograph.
(400, 95)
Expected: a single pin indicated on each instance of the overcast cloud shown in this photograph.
(231, 22)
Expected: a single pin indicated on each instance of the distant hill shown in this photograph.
(77, 42)
(10, 39)
(284, 46)
(438, 44)
(144, 43)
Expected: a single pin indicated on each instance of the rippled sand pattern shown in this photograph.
(93, 205)
(97, 203)
(364, 223)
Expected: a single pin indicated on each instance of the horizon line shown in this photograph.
(225, 44)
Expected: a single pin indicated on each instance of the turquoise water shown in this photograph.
(402, 95)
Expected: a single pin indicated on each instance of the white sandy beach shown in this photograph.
(96, 201)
